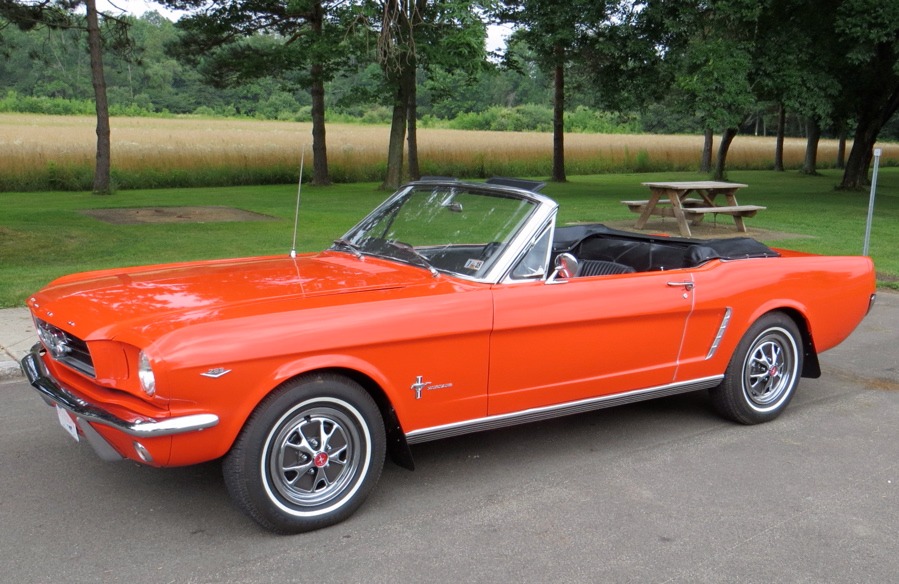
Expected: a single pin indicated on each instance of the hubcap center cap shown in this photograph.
(321, 459)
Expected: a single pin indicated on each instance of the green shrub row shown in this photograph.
(282, 106)
(538, 118)
(12, 102)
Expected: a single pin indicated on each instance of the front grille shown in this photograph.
(65, 347)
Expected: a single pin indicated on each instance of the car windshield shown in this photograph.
(448, 228)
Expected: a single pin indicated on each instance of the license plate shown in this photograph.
(65, 420)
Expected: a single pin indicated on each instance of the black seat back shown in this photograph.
(601, 268)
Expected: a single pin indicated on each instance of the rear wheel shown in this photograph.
(308, 456)
(763, 373)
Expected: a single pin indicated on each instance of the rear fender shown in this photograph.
(810, 365)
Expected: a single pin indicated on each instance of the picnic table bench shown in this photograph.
(672, 199)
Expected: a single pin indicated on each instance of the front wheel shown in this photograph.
(763, 373)
(308, 456)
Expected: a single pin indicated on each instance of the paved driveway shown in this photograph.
(661, 491)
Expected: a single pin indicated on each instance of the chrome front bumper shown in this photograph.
(84, 412)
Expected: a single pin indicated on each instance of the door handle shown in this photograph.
(687, 285)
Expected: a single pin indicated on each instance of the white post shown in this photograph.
(871, 202)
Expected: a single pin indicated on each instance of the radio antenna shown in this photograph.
(296, 214)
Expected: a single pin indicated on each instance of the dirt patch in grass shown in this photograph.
(705, 230)
(211, 214)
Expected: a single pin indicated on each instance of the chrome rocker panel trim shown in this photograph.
(51, 392)
(559, 410)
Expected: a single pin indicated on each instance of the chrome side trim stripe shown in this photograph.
(558, 410)
(721, 329)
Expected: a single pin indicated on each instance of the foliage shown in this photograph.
(536, 118)
(804, 83)
(622, 77)
(870, 34)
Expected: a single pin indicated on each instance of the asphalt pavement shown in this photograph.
(661, 491)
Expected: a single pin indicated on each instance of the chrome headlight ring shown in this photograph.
(53, 339)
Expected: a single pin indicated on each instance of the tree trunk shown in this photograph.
(779, 143)
(412, 126)
(395, 145)
(705, 164)
(415, 23)
(103, 163)
(726, 139)
(320, 174)
(855, 175)
(559, 116)
(404, 90)
(841, 148)
(810, 166)
(869, 123)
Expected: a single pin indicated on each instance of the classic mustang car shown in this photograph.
(451, 308)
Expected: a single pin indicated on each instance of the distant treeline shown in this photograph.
(148, 81)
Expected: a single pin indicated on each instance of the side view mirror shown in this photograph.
(564, 267)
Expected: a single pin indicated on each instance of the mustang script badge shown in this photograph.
(420, 385)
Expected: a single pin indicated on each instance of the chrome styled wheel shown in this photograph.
(763, 372)
(308, 456)
(314, 453)
(769, 371)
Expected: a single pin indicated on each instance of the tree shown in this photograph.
(61, 14)
(713, 67)
(831, 61)
(795, 59)
(869, 31)
(716, 82)
(398, 56)
(415, 34)
(558, 32)
(697, 55)
(300, 42)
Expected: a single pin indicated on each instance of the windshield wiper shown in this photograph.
(349, 246)
(417, 257)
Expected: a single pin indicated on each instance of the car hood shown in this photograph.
(96, 305)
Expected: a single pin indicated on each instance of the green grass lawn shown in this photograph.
(45, 235)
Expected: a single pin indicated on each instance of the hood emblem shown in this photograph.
(420, 384)
(216, 373)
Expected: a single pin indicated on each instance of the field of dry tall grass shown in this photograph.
(37, 152)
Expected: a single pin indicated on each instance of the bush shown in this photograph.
(13, 102)
(588, 121)
(280, 105)
(378, 115)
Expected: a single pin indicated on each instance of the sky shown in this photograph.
(136, 7)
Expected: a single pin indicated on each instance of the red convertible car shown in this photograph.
(451, 308)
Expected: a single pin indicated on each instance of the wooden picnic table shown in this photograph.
(673, 199)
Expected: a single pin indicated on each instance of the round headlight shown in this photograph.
(145, 374)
